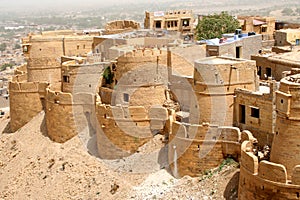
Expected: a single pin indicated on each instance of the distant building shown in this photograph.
(178, 20)
(274, 65)
(259, 25)
(287, 37)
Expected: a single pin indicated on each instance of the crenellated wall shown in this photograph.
(120, 26)
(201, 147)
(25, 102)
(140, 58)
(44, 51)
(264, 179)
(124, 129)
(285, 147)
(78, 76)
(20, 74)
(60, 120)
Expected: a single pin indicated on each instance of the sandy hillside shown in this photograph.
(34, 167)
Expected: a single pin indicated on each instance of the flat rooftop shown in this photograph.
(219, 60)
(291, 56)
(289, 30)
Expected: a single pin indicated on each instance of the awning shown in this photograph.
(258, 22)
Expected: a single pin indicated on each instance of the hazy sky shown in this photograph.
(45, 3)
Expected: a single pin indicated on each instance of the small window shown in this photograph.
(84, 46)
(255, 112)
(66, 79)
(78, 46)
(264, 29)
(238, 52)
(268, 72)
(281, 101)
(126, 97)
(242, 113)
(259, 71)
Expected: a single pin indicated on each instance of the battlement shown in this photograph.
(27, 87)
(119, 26)
(59, 98)
(60, 118)
(142, 55)
(286, 103)
(205, 132)
(266, 170)
(25, 102)
(196, 148)
(262, 179)
(124, 129)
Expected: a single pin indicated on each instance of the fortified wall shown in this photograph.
(25, 102)
(59, 116)
(193, 149)
(265, 179)
(43, 53)
(81, 76)
(278, 175)
(137, 89)
(120, 26)
(137, 76)
(125, 128)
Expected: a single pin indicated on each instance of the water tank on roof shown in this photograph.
(251, 33)
(238, 31)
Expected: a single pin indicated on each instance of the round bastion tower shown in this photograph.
(278, 177)
(286, 143)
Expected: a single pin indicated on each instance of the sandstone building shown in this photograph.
(176, 20)
(260, 25)
(119, 90)
(238, 45)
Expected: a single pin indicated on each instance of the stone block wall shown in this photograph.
(20, 74)
(82, 77)
(121, 135)
(25, 102)
(120, 26)
(44, 51)
(265, 180)
(201, 147)
(124, 129)
(60, 120)
(140, 59)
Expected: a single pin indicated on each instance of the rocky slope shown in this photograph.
(34, 167)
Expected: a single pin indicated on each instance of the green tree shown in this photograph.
(2, 47)
(108, 75)
(213, 26)
(4, 66)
